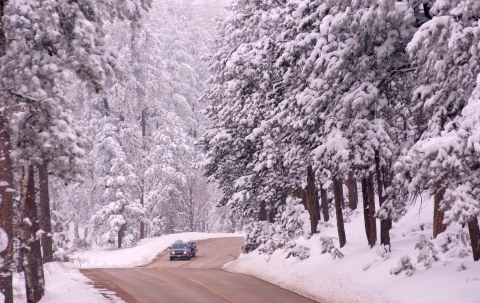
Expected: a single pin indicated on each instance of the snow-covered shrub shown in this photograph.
(455, 245)
(384, 252)
(80, 245)
(290, 224)
(60, 239)
(257, 233)
(60, 255)
(293, 221)
(296, 250)
(270, 246)
(329, 247)
(325, 225)
(404, 265)
(461, 267)
(347, 215)
(427, 252)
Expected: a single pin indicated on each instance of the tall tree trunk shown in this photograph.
(142, 202)
(338, 196)
(262, 213)
(45, 217)
(6, 193)
(474, 232)
(310, 197)
(438, 226)
(6, 204)
(121, 234)
(371, 211)
(324, 198)
(352, 192)
(366, 208)
(318, 207)
(85, 234)
(76, 229)
(272, 212)
(386, 224)
(191, 208)
(142, 180)
(32, 263)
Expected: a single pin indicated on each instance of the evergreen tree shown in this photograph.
(117, 220)
(444, 51)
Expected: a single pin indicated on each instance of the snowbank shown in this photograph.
(66, 284)
(363, 275)
(141, 254)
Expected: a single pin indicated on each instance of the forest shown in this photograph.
(337, 104)
(127, 120)
(100, 112)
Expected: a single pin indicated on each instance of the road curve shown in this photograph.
(198, 280)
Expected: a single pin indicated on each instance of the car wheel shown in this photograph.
(171, 259)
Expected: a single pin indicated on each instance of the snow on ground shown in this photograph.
(64, 283)
(363, 275)
(141, 254)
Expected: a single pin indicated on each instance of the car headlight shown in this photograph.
(172, 252)
(185, 252)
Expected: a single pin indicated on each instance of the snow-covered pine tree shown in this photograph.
(442, 161)
(245, 160)
(170, 162)
(48, 43)
(117, 220)
(338, 68)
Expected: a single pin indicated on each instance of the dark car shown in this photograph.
(180, 251)
(193, 247)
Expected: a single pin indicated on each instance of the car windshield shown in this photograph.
(179, 245)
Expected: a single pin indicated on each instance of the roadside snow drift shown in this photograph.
(363, 274)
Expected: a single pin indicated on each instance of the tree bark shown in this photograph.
(6, 205)
(385, 225)
(262, 214)
(310, 197)
(142, 181)
(76, 229)
(474, 232)
(351, 183)
(438, 226)
(366, 215)
(142, 202)
(32, 260)
(272, 212)
(318, 207)
(6, 193)
(324, 198)
(338, 196)
(121, 234)
(371, 211)
(45, 216)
